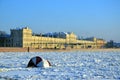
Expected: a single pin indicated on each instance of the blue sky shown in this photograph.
(86, 18)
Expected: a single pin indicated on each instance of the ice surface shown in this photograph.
(73, 65)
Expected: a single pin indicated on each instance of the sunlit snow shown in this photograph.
(72, 65)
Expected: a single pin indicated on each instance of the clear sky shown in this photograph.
(86, 18)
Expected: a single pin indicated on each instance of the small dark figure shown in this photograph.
(28, 49)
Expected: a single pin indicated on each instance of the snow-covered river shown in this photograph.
(74, 65)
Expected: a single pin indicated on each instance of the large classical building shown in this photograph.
(58, 40)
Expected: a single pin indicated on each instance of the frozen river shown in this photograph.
(74, 65)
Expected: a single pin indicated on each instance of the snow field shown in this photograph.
(74, 65)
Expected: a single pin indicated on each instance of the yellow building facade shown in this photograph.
(24, 38)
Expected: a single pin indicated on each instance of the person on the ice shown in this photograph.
(38, 62)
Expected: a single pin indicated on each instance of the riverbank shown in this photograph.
(15, 49)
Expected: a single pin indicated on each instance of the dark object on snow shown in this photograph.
(38, 62)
